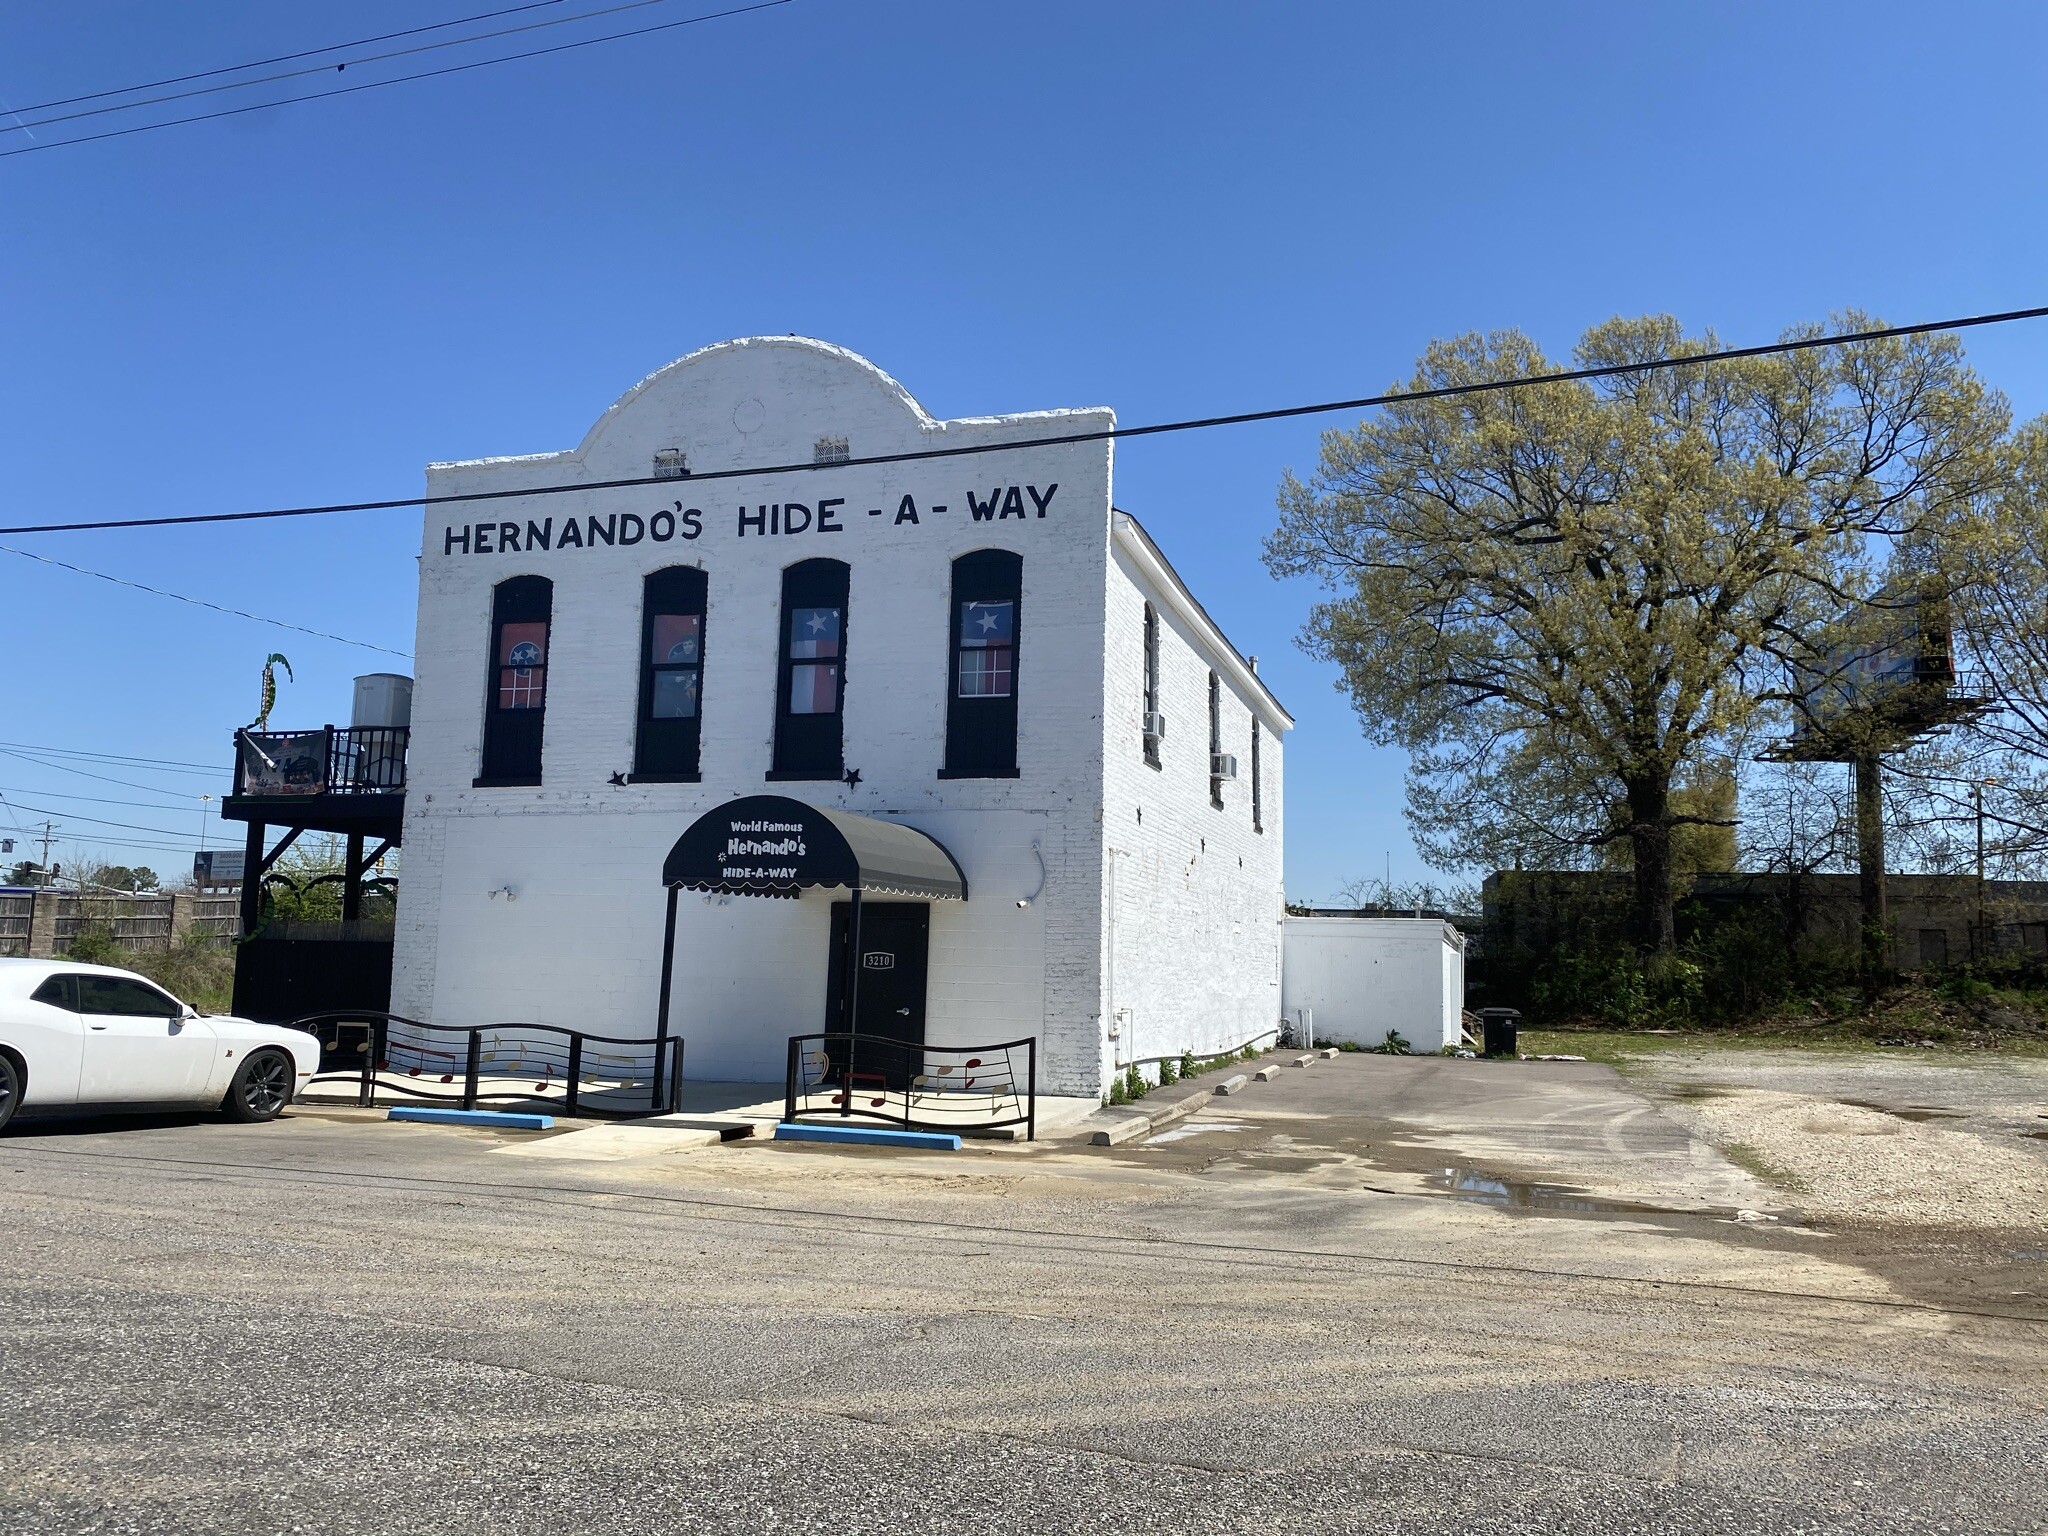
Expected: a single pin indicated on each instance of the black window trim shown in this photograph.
(978, 563)
(499, 600)
(1258, 800)
(1151, 689)
(649, 668)
(785, 729)
(1215, 739)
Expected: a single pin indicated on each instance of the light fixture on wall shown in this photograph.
(510, 893)
(1025, 901)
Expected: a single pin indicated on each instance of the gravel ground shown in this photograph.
(1916, 1140)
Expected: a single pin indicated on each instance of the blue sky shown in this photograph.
(1172, 209)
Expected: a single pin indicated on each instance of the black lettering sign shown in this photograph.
(776, 519)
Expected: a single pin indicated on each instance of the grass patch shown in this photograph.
(1893, 1034)
(1751, 1161)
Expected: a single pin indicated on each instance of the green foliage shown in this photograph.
(1581, 584)
(119, 877)
(1187, 1064)
(1168, 1072)
(95, 944)
(1963, 985)
(200, 971)
(1394, 1045)
(1118, 1093)
(305, 885)
(1135, 1086)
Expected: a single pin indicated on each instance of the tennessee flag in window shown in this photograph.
(522, 665)
(987, 649)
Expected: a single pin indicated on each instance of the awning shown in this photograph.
(768, 845)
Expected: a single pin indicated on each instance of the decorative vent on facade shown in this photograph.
(670, 464)
(831, 450)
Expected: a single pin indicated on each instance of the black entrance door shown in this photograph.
(894, 939)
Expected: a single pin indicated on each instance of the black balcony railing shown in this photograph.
(360, 760)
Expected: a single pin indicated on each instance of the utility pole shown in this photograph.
(1980, 939)
(49, 836)
(1870, 867)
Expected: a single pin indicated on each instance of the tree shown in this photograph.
(1995, 558)
(1617, 569)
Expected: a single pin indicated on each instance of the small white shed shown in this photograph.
(1366, 975)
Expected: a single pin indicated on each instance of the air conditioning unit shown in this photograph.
(671, 464)
(1155, 726)
(1222, 766)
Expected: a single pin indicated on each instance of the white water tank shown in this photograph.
(382, 699)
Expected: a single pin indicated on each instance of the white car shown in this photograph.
(92, 1035)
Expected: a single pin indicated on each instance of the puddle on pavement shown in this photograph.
(1183, 1132)
(1914, 1112)
(1486, 1189)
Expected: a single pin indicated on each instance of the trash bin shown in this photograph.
(1499, 1026)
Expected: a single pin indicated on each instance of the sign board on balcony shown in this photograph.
(284, 762)
(218, 866)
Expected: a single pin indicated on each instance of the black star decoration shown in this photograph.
(618, 778)
(853, 778)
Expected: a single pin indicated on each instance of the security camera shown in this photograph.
(1023, 901)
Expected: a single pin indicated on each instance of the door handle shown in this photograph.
(100, 1027)
(904, 1011)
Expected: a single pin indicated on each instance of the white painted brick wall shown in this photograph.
(581, 944)
(1198, 892)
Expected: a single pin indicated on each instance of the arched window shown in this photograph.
(981, 692)
(671, 675)
(515, 702)
(810, 684)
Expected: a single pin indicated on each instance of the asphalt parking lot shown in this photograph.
(336, 1324)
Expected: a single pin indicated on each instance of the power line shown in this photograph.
(98, 821)
(321, 69)
(114, 757)
(200, 602)
(1106, 434)
(373, 85)
(286, 58)
(140, 805)
(82, 773)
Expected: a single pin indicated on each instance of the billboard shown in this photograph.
(1887, 669)
(218, 866)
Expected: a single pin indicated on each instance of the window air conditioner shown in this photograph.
(1155, 726)
(1222, 766)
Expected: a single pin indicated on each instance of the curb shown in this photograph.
(867, 1136)
(1144, 1124)
(503, 1119)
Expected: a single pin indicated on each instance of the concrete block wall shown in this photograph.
(581, 943)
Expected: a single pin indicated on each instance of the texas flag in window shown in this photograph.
(987, 649)
(814, 632)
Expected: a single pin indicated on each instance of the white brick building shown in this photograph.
(599, 669)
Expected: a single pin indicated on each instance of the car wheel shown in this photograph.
(10, 1089)
(261, 1088)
